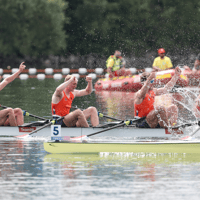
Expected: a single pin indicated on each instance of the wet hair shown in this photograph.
(144, 76)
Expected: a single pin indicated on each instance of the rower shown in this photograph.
(155, 116)
(62, 101)
(162, 62)
(10, 116)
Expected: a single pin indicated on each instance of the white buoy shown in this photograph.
(65, 71)
(148, 69)
(48, 71)
(82, 70)
(98, 70)
(57, 76)
(14, 70)
(41, 76)
(76, 75)
(23, 76)
(1, 71)
(93, 75)
(107, 75)
(32, 71)
(5, 76)
(133, 70)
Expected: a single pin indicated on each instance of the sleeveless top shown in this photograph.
(63, 107)
(147, 105)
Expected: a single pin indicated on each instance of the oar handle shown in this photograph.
(100, 114)
(108, 117)
(25, 113)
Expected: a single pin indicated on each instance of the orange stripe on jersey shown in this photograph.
(63, 107)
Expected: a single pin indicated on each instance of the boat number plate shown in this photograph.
(55, 130)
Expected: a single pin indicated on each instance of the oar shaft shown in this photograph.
(25, 113)
(100, 114)
(107, 129)
(40, 128)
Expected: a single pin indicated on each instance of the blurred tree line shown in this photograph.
(61, 27)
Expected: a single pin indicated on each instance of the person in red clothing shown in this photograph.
(62, 101)
(155, 116)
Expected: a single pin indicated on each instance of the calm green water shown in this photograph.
(28, 172)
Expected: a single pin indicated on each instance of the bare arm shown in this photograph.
(87, 90)
(145, 88)
(58, 93)
(170, 84)
(11, 78)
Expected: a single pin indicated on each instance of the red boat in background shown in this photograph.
(133, 83)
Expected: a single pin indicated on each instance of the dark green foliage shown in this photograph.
(32, 27)
(135, 26)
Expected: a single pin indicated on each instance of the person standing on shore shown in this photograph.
(10, 116)
(162, 62)
(62, 101)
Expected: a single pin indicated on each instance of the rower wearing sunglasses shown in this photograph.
(155, 116)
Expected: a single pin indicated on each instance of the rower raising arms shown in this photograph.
(62, 100)
(9, 116)
(155, 116)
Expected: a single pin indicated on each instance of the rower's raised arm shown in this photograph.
(62, 86)
(11, 78)
(168, 87)
(145, 88)
(87, 90)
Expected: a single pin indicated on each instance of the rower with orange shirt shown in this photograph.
(155, 116)
(62, 101)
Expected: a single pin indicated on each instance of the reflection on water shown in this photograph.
(27, 172)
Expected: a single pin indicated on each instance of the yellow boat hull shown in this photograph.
(147, 147)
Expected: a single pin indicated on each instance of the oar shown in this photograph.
(100, 114)
(25, 113)
(128, 122)
(189, 137)
(42, 127)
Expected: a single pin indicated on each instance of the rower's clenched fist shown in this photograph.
(88, 78)
(177, 71)
(152, 76)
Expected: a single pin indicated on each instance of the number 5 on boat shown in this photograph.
(56, 132)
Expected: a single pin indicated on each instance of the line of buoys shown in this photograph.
(58, 74)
